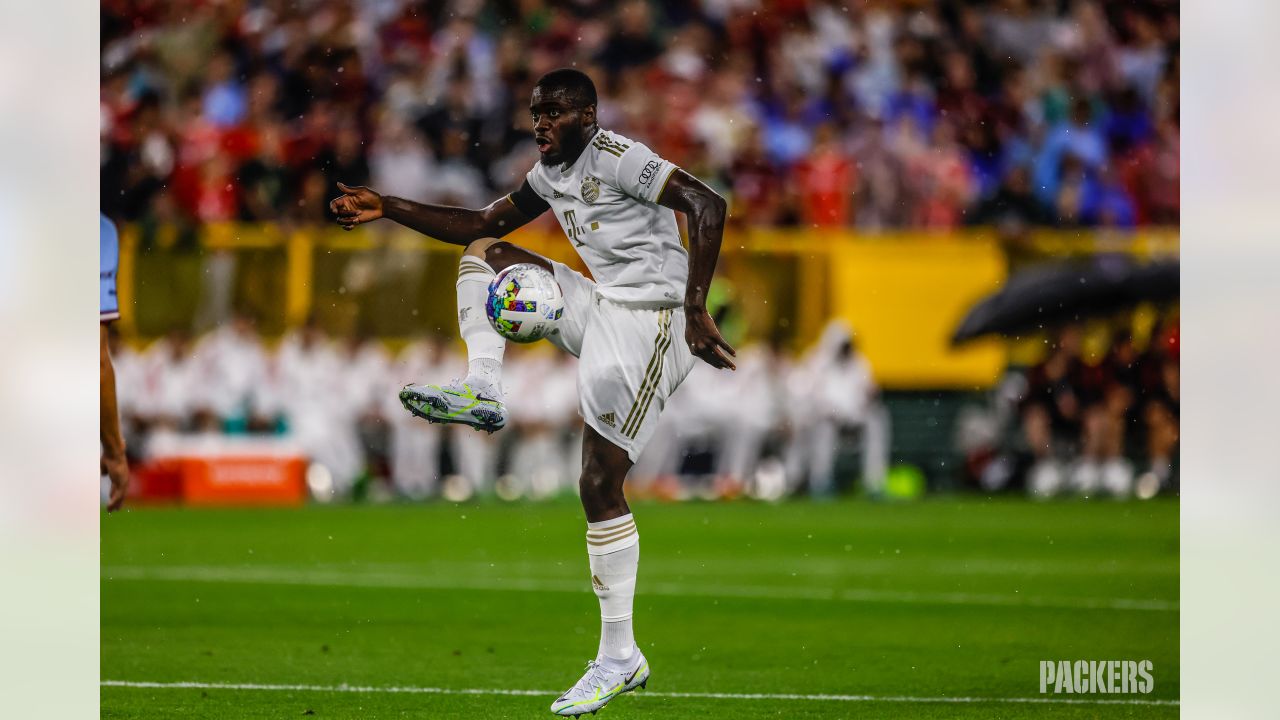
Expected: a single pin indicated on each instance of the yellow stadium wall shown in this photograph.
(904, 299)
(903, 293)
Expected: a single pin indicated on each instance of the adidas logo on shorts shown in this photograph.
(608, 419)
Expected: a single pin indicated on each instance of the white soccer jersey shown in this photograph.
(606, 201)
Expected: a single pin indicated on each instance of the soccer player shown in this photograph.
(614, 199)
(112, 462)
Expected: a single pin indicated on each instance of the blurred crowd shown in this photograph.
(1071, 424)
(1076, 422)
(872, 114)
(335, 400)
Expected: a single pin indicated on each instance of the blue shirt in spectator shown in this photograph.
(1066, 138)
(226, 104)
(1126, 128)
(913, 104)
(108, 264)
(1105, 202)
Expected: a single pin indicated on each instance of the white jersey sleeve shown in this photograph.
(642, 173)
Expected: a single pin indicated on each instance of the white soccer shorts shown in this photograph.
(630, 360)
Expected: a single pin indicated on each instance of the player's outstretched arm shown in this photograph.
(706, 212)
(456, 226)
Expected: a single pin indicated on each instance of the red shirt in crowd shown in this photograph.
(825, 181)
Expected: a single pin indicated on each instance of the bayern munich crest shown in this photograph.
(590, 190)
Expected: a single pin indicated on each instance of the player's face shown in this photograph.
(559, 128)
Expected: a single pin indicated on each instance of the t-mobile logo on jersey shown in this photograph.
(1096, 676)
(574, 230)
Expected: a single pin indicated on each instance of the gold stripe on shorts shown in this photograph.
(649, 369)
(653, 371)
(654, 379)
(653, 391)
(653, 375)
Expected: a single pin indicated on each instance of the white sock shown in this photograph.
(484, 345)
(613, 549)
(617, 643)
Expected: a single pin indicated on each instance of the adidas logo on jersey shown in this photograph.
(608, 419)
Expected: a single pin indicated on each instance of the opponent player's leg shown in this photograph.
(613, 549)
(476, 399)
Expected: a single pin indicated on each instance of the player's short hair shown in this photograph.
(575, 83)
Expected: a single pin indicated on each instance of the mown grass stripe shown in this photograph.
(766, 697)
(428, 581)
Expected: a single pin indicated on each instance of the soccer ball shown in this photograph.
(525, 303)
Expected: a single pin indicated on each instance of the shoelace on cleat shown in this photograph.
(456, 385)
(593, 679)
(460, 387)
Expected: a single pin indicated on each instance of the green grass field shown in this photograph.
(942, 608)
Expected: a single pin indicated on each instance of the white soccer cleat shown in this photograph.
(481, 407)
(600, 685)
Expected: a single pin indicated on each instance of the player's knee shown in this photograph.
(480, 248)
(499, 254)
(591, 484)
(598, 483)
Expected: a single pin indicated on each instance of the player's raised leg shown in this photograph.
(476, 399)
(613, 551)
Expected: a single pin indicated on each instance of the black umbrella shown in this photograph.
(1052, 294)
